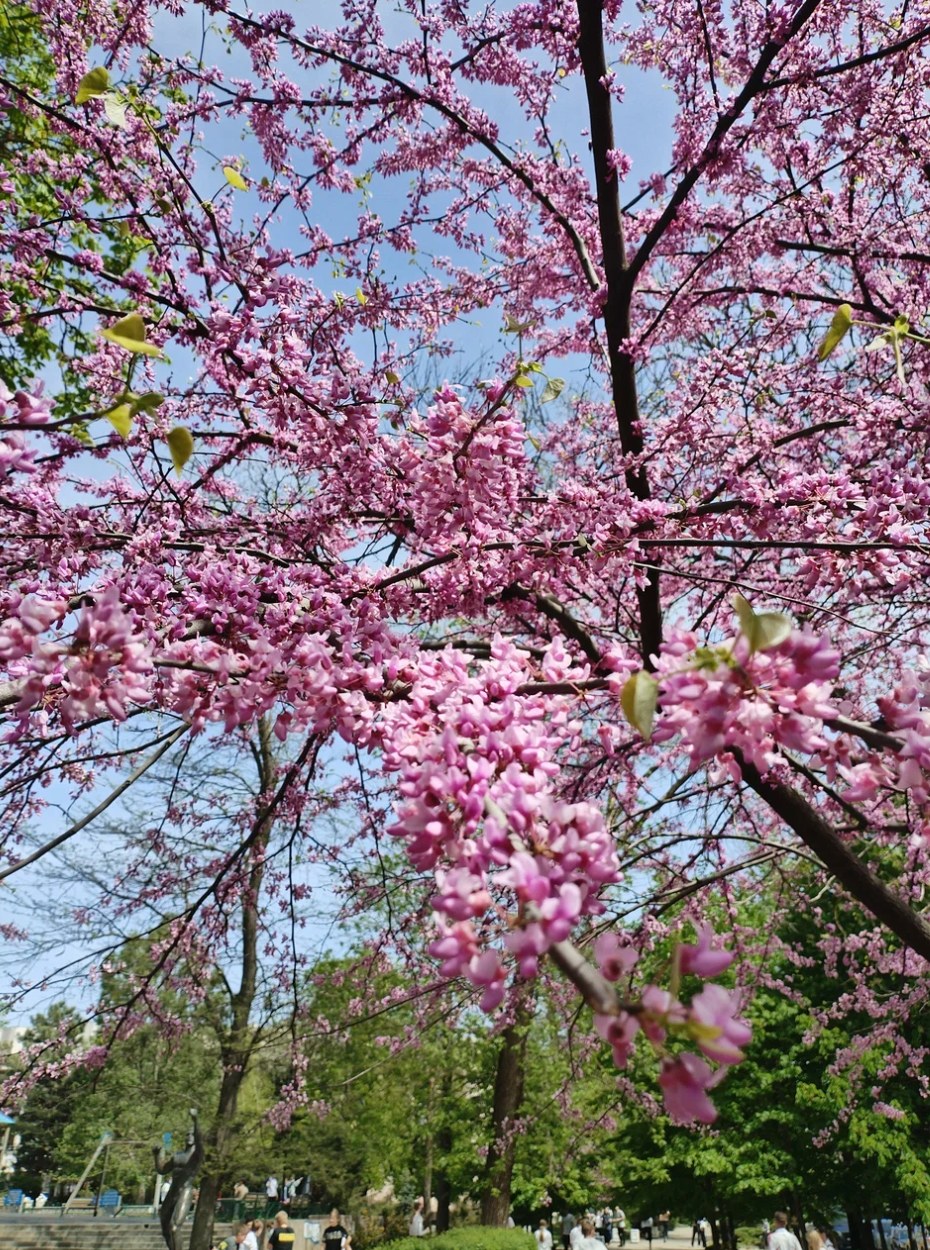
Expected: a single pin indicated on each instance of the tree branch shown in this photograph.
(616, 307)
(853, 875)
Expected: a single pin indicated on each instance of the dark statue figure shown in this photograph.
(183, 1165)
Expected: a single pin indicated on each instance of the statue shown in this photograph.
(183, 1165)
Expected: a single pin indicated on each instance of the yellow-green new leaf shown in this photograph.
(147, 402)
(95, 82)
(115, 109)
(120, 418)
(638, 700)
(234, 178)
(554, 388)
(839, 328)
(129, 333)
(181, 445)
(392, 377)
(763, 630)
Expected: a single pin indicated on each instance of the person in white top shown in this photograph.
(543, 1236)
(780, 1238)
(416, 1222)
(271, 1188)
(588, 1241)
(575, 1236)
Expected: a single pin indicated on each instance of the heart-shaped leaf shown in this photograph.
(839, 327)
(129, 333)
(115, 109)
(120, 418)
(95, 82)
(554, 388)
(181, 445)
(638, 700)
(234, 178)
(147, 402)
(763, 630)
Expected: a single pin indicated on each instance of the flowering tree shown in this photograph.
(665, 612)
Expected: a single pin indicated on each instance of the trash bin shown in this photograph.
(634, 1236)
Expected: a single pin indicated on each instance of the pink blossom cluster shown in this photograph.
(479, 809)
(711, 1019)
(19, 409)
(104, 667)
(717, 698)
(463, 469)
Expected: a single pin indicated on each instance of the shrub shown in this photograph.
(476, 1237)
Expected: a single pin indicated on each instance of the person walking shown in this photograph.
(664, 1220)
(271, 1189)
(245, 1237)
(697, 1233)
(587, 1240)
(620, 1221)
(576, 1234)
(416, 1220)
(568, 1223)
(543, 1236)
(335, 1236)
(282, 1236)
(645, 1227)
(607, 1227)
(781, 1238)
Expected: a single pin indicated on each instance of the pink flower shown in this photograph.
(719, 1032)
(487, 970)
(684, 1081)
(700, 959)
(619, 1032)
(613, 958)
(527, 945)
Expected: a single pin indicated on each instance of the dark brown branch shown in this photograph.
(616, 308)
(753, 86)
(853, 875)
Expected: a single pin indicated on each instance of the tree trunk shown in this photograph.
(443, 1193)
(238, 1040)
(855, 1232)
(508, 1095)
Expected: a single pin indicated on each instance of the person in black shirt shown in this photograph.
(335, 1237)
(282, 1236)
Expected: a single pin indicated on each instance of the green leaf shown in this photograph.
(115, 110)
(147, 402)
(523, 380)
(95, 82)
(762, 630)
(534, 442)
(120, 418)
(361, 296)
(392, 377)
(638, 700)
(234, 178)
(511, 324)
(554, 388)
(181, 445)
(129, 333)
(839, 328)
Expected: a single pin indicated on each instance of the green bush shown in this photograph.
(749, 1235)
(475, 1238)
